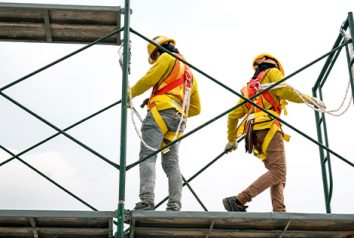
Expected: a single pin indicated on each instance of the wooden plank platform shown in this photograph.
(58, 23)
(154, 224)
(58, 224)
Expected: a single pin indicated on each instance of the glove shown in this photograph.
(316, 102)
(230, 146)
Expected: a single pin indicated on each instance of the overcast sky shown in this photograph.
(219, 37)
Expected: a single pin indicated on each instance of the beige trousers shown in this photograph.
(274, 178)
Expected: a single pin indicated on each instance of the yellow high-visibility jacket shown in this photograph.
(265, 121)
(156, 74)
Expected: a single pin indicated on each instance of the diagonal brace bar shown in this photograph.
(49, 179)
(57, 129)
(66, 129)
(59, 60)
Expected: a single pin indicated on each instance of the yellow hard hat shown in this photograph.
(159, 40)
(269, 56)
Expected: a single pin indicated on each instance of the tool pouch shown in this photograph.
(249, 137)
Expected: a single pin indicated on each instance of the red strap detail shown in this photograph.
(186, 77)
(152, 105)
(252, 89)
(270, 99)
(170, 86)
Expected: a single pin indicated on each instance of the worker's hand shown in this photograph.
(316, 102)
(230, 146)
(145, 102)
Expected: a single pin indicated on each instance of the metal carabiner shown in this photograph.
(256, 85)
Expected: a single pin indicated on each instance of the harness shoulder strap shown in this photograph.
(252, 87)
(173, 81)
(170, 86)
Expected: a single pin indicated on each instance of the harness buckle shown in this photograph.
(256, 85)
(188, 78)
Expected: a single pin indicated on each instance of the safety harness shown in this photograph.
(178, 83)
(246, 127)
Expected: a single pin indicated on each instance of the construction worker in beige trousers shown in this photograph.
(263, 133)
(174, 97)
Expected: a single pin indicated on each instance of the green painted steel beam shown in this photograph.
(60, 60)
(49, 179)
(123, 131)
(58, 133)
(351, 63)
(322, 133)
(57, 129)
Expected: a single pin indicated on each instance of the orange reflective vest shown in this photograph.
(255, 113)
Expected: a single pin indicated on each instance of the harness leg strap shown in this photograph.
(160, 122)
(168, 135)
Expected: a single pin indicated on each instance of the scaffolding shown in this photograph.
(101, 25)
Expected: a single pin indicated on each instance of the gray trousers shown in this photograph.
(153, 136)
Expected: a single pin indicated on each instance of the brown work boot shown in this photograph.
(231, 204)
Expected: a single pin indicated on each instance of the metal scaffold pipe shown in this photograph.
(123, 132)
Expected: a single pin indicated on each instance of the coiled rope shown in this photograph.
(311, 102)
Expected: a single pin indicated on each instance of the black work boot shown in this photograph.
(231, 204)
(144, 206)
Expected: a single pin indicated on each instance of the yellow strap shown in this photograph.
(286, 137)
(241, 128)
(268, 138)
(283, 104)
(168, 135)
(262, 155)
(159, 121)
(262, 113)
(163, 144)
(274, 128)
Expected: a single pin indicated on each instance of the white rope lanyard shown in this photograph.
(314, 105)
(185, 109)
(185, 105)
(133, 111)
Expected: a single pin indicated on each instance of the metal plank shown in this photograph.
(228, 224)
(56, 213)
(53, 231)
(42, 224)
(234, 233)
(58, 23)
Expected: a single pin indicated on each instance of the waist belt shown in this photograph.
(276, 126)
